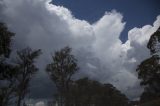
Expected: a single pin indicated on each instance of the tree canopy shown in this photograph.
(25, 69)
(5, 40)
(149, 70)
(61, 70)
(7, 71)
(86, 92)
(14, 76)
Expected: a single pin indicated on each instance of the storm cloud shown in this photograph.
(100, 52)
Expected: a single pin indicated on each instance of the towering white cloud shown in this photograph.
(41, 103)
(101, 54)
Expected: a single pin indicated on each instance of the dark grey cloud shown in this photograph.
(101, 54)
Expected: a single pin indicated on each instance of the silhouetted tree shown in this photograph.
(85, 92)
(25, 67)
(5, 40)
(154, 43)
(61, 70)
(149, 70)
(7, 71)
(7, 85)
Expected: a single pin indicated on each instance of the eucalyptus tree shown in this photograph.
(60, 70)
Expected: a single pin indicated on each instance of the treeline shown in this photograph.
(16, 75)
(85, 92)
(82, 92)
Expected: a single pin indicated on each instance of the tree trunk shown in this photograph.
(19, 101)
(60, 100)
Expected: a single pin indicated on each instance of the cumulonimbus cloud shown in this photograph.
(100, 52)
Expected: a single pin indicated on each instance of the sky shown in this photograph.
(136, 12)
(108, 38)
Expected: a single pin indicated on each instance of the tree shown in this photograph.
(7, 71)
(149, 70)
(61, 70)
(14, 79)
(154, 43)
(7, 84)
(5, 40)
(86, 92)
(25, 68)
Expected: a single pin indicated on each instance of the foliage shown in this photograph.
(61, 70)
(25, 68)
(14, 79)
(85, 92)
(154, 42)
(149, 70)
(7, 71)
(5, 40)
(152, 103)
